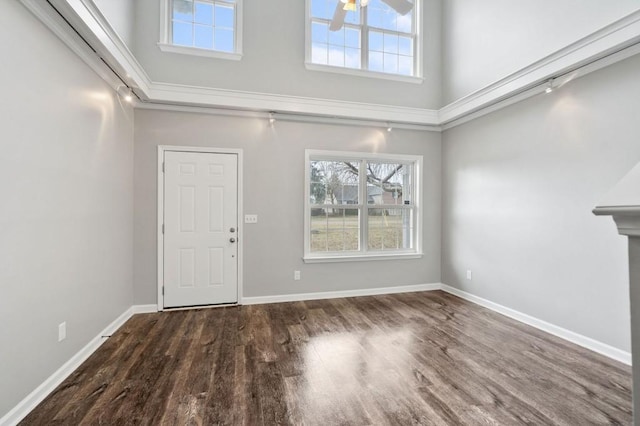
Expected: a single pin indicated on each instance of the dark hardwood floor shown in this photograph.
(415, 358)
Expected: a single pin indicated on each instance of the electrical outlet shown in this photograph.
(296, 275)
(62, 331)
(250, 218)
(469, 275)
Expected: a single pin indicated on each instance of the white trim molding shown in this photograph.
(196, 51)
(580, 340)
(194, 95)
(610, 44)
(260, 300)
(30, 402)
(144, 309)
(363, 73)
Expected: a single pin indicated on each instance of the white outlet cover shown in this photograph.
(469, 275)
(62, 331)
(296, 275)
(250, 218)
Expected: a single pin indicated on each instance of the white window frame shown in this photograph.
(166, 42)
(363, 254)
(417, 78)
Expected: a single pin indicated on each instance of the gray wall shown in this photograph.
(67, 204)
(121, 16)
(484, 41)
(273, 189)
(273, 62)
(519, 186)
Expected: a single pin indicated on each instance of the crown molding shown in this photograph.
(55, 23)
(604, 47)
(600, 46)
(202, 96)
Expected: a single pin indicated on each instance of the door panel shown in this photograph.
(200, 209)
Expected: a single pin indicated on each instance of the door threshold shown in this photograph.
(195, 307)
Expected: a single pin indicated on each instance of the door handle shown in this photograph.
(233, 240)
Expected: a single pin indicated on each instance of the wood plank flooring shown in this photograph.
(406, 359)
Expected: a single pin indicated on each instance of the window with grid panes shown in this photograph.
(211, 25)
(373, 38)
(361, 205)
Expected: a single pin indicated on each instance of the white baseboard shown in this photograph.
(586, 342)
(338, 294)
(30, 402)
(144, 309)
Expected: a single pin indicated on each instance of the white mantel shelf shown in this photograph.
(623, 204)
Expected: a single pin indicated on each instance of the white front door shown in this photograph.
(200, 228)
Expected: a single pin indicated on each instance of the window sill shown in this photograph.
(360, 258)
(195, 51)
(364, 73)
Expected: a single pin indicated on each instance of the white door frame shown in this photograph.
(160, 256)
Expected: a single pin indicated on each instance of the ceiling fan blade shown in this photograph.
(338, 17)
(401, 6)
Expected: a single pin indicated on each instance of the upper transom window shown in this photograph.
(197, 26)
(375, 37)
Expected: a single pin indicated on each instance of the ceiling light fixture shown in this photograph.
(549, 88)
(351, 4)
(389, 128)
(272, 118)
(126, 93)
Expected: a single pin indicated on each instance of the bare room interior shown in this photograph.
(319, 212)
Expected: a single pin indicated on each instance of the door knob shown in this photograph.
(232, 230)
(233, 240)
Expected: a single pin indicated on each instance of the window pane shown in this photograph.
(336, 56)
(319, 53)
(224, 17)
(352, 38)
(352, 17)
(390, 43)
(376, 61)
(405, 65)
(405, 46)
(340, 179)
(337, 37)
(183, 10)
(374, 13)
(204, 37)
(390, 229)
(323, 8)
(223, 40)
(405, 23)
(389, 183)
(319, 32)
(376, 41)
(334, 229)
(352, 58)
(182, 34)
(204, 13)
(390, 63)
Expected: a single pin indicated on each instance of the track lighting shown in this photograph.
(389, 128)
(549, 88)
(126, 93)
(272, 118)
